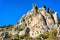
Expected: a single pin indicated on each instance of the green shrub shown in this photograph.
(23, 36)
(16, 36)
(53, 33)
(43, 36)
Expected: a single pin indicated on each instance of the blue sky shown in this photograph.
(12, 10)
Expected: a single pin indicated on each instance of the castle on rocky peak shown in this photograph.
(39, 21)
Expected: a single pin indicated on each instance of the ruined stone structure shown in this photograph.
(39, 20)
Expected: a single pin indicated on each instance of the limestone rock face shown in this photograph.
(55, 17)
(38, 20)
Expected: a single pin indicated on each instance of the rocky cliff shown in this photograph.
(39, 20)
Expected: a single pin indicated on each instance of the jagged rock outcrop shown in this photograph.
(39, 20)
